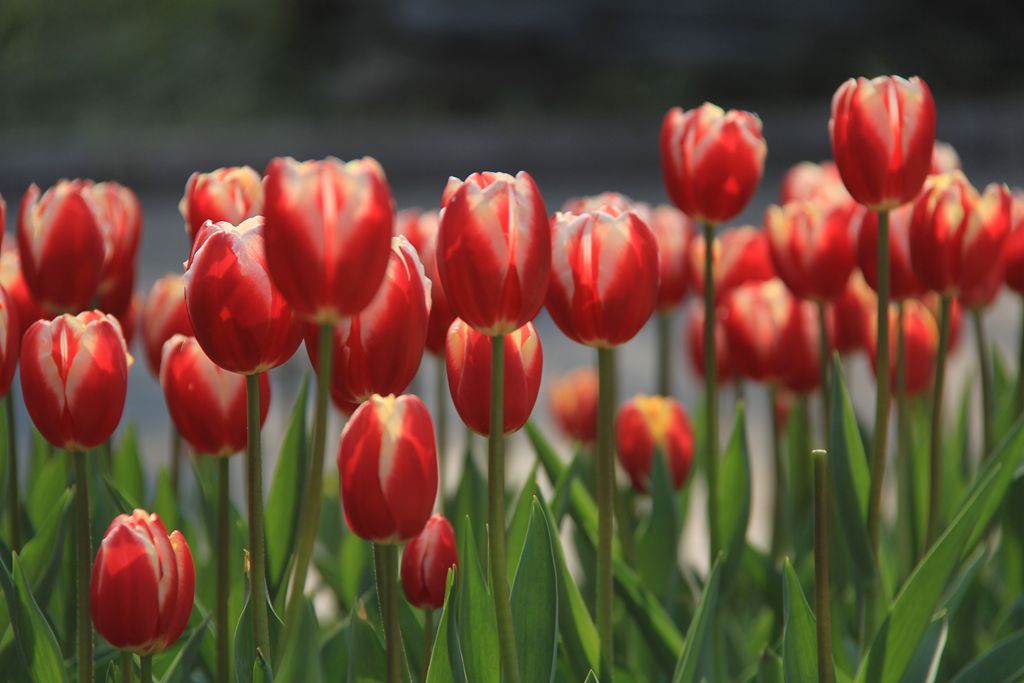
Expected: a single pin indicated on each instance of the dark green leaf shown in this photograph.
(657, 540)
(478, 626)
(182, 664)
(770, 668)
(166, 502)
(33, 637)
(696, 652)
(799, 635)
(734, 494)
(471, 497)
(517, 525)
(1004, 663)
(47, 487)
(301, 661)
(535, 602)
(127, 472)
(367, 662)
(924, 665)
(446, 665)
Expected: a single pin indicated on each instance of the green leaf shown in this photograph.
(446, 665)
(47, 487)
(334, 652)
(535, 602)
(657, 540)
(32, 634)
(166, 501)
(769, 670)
(182, 664)
(560, 498)
(367, 661)
(286, 492)
(912, 610)
(591, 678)
(471, 497)
(119, 498)
(517, 525)
(301, 661)
(127, 467)
(475, 606)
(1003, 663)
(799, 635)
(696, 653)
(734, 493)
(246, 657)
(924, 665)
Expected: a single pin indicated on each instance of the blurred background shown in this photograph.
(573, 91)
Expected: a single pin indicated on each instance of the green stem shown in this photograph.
(496, 515)
(823, 360)
(146, 675)
(385, 559)
(126, 666)
(986, 380)
(223, 571)
(821, 593)
(428, 642)
(664, 319)
(441, 412)
(257, 540)
(935, 444)
(83, 562)
(906, 505)
(605, 465)
(309, 512)
(175, 460)
(779, 517)
(880, 441)
(14, 506)
(710, 390)
(1019, 393)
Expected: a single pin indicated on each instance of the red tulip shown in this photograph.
(753, 316)
(903, 283)
(851, 315)
(207, 403)
(378, 350)
(9, 341)
(143, 584)
(240, 318)
(227, 194)
(673, 231)
(695, 345)
(921, 341)
(741, 255)
(711, 160)
(61, 245)
(604, 279)
(573, 400)
(328, 231)
(421, 231)
(164, 315)
(12, 280)
(426, 561)
(957, 235)
(388, 466)
(883, 133)
(494, 250)
(798, 349)
(119, 217)
(944, 159)
(932, 303)
(609, 202)
(815, 182)
(648, 423)
(74, 377)
(1013, 250)
(469, 375)
(811, 247)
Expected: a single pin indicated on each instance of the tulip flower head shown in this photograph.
(711, 160)
(10, 340)
(119, 216)
(921, 340)
(695, 345)
(883, 133)
(328, 231)
(609, 202)
(388, 466)
(164, 315)
(573, 400)
(207, 403)
(798, 351)
(143, 584)
(944, 159)
(421, 230)
(851, 315)
(604, 278)
(426, 561)
(74, 377)
(903, 283)
(753, 316)
(811, 247)
(229, 194)
(646, 424)
(12, 280)
(741, 255)
(821, 183)
(673, 231)
(494, 250)
(1013, 250)
(240, 318)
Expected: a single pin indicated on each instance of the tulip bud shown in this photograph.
(227, 194)
(494, 250)
(798, 349)
(646, 423)
(207, 403)
(9, 341)
(944, 159)
(673, 231)
(921, 342)
(903, 283)
(74, 378)
(573, 401)
(819, 183)
(119, 216)
(328, 231)
(421, 230)
(12, 280)
(143, 584)
(851, 315)
(426, 561)
(695, 344)
(378, 350)
(61, 245)
(711, 160)
(388, 466)
(811, 247)
(164, 315)
(1013, 250)
(468, 361)
(753, 316)
(239, 317)
(883, 133)
(740, 255)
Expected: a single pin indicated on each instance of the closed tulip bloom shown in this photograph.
(944, 159)
(753, 316)
(604, 279)
(797, 348)
(143, 584)
(61, 245)
(229, 194)
(240, 318)
(10, 340)
(12, 280)
(609, 202)
(468, 361)
(851, 315)
(573, 400)
(164, 315)
(711, 160)
(494, 250)
(426, 561)
(206, 402)
(883, 133)
(673, 231)
(378, 350)
(695, 345)
(119, 216)
(421, 231)
(1013, 249)
(812, 248)
(74, 377)
(388, 466)
(741, 255)
(932, 302)
(921, 340)
(903, 283)
(328, 230)
(957, 235)
(815, 182)
(646, 424)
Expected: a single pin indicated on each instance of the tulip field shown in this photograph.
(895, 545)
